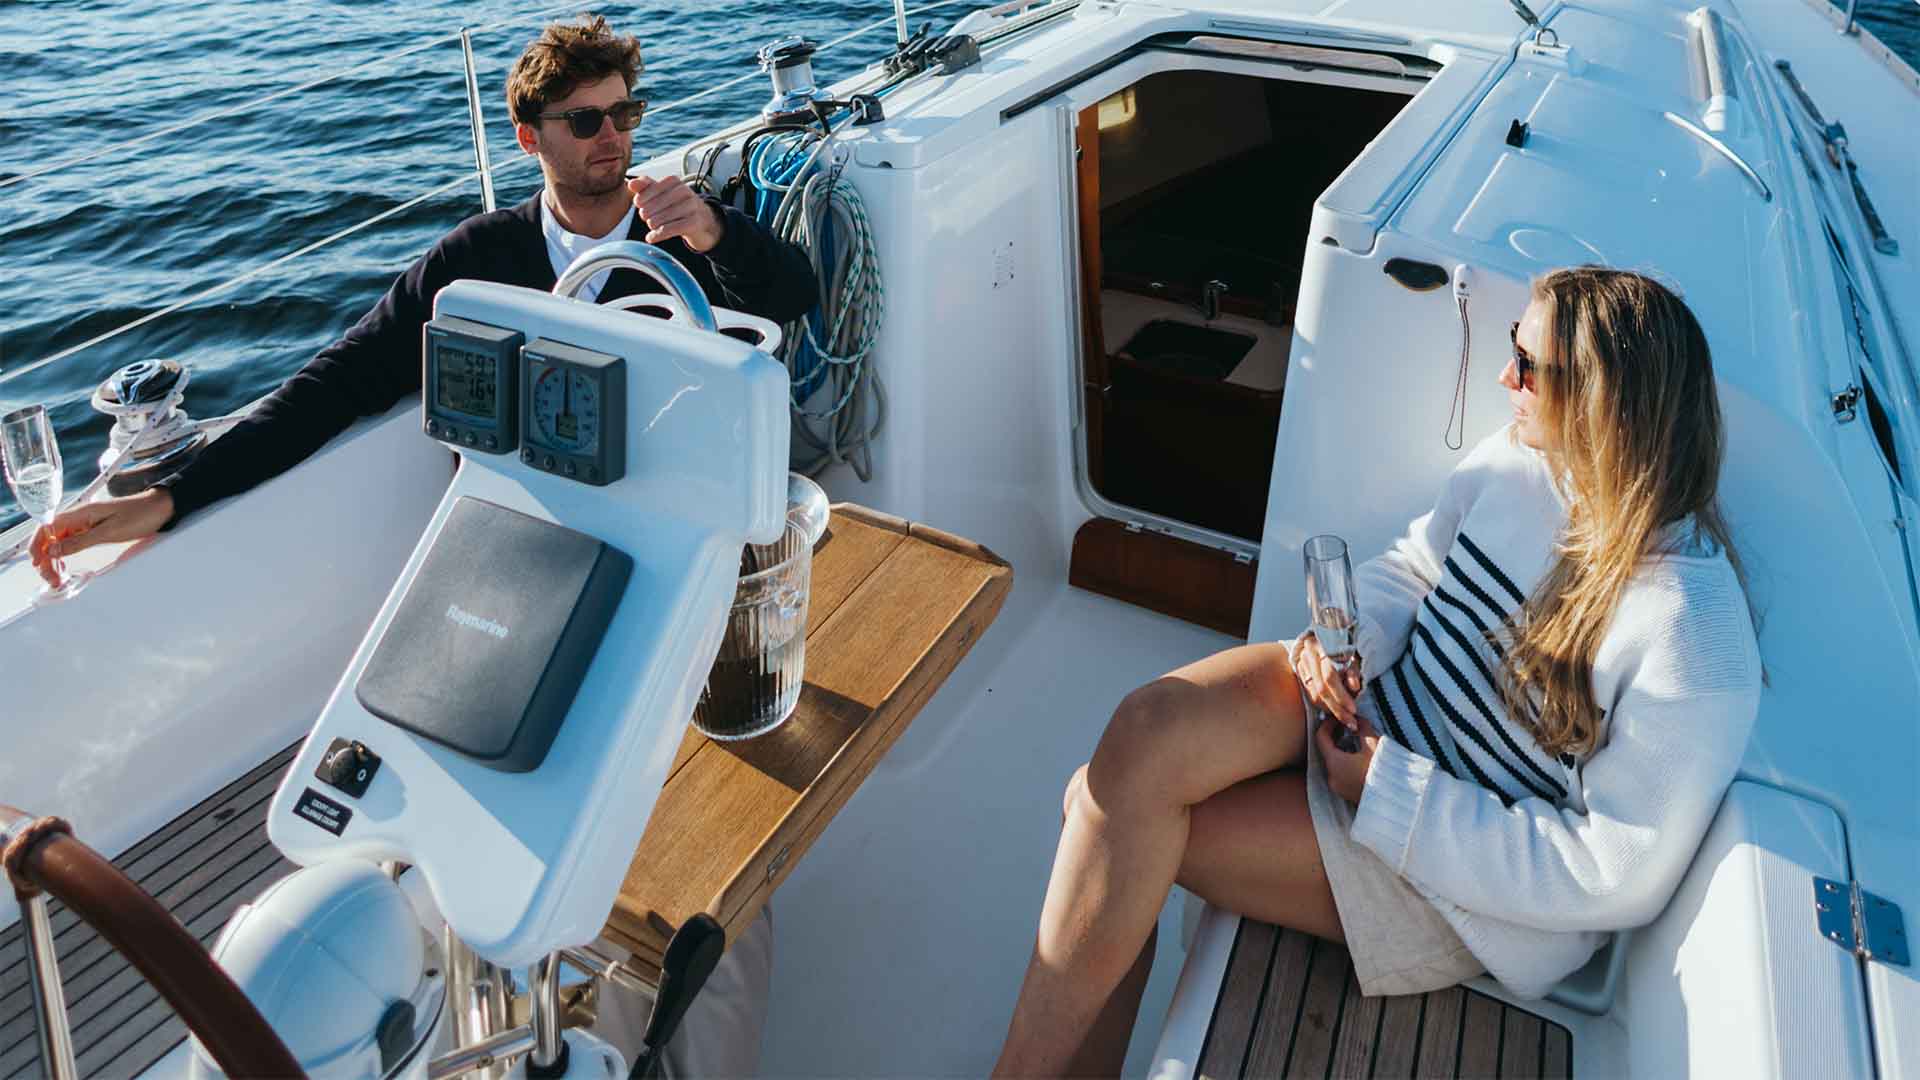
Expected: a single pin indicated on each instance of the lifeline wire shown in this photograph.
(255, 103)
(216, 290)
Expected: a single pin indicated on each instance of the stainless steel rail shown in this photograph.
(491, 1053)
(1722, 149)
(481, 159)
(49, 999)
(592, 962)
(649, 260)
(43, 968)
(545, 1002)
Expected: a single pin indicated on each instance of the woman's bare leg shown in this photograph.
(1252, 849)
(1171, 745)
(1104, 1051)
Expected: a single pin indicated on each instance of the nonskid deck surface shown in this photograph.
(201, 866)
(901, 939)
(1289, 1006)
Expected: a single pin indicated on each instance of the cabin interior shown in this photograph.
(1195, 195)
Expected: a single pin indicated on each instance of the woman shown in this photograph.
(1562, 677)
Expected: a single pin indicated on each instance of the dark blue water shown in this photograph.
(100, 244)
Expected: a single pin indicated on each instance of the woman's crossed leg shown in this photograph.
(1181, 788)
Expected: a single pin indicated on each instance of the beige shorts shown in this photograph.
(1399, 943)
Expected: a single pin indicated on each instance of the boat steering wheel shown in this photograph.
(42, 855)
(651, 261)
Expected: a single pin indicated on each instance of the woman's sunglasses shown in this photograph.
(585, 123)
(1523, 364)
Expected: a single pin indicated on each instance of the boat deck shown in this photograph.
(201, 866)
(1289, 1006)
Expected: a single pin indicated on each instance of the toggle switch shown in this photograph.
(349, 766)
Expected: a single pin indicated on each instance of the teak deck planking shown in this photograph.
(201, 866)
(1289, 1006)
(894, 607)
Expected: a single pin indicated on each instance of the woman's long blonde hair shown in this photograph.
(1626, 384)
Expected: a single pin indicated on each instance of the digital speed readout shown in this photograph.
(469, 383)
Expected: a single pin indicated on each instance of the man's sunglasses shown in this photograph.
(585, 123)
(1522, 363)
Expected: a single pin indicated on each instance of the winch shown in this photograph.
(790, 62)
(152, 438)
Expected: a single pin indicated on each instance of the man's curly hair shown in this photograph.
(565, 57)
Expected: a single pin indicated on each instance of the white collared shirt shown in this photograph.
(564, 247)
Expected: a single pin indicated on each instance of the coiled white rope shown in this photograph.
(822, 212)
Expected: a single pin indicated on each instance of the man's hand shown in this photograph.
(1346, 773)
(107, 521)
(670, 208)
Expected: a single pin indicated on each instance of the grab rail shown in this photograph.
(1725, 151)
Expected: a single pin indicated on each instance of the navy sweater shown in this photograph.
(377, 362)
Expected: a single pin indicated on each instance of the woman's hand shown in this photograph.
(1346, 773)
(1324, 683)
(106, 521)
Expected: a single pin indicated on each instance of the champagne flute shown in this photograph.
(1331, 610)
(31, 456)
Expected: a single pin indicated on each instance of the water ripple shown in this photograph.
(102, 243)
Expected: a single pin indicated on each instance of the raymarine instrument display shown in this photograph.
(576, 425)
(517, 637)
(470, 384)
(494, 633)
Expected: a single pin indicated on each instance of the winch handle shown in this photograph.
(649, 260)
(41, 855)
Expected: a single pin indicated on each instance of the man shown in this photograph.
(570, 95)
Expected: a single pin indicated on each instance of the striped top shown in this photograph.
(1437, 597)
(1533, 858)
(1441, 698)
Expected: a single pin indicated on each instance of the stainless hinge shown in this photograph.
(1858, 921)
(1843, 403)
(1242, 558)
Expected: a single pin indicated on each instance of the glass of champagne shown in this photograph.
(1331, 610)
(32, 459)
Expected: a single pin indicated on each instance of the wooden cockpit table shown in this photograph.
(894, 608)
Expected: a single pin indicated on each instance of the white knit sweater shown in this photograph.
(1531, 858)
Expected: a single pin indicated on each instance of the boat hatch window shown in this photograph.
(1869, 362)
